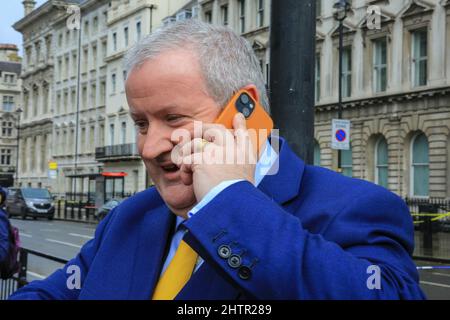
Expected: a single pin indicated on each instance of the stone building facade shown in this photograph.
(10, 97)
(396, 83)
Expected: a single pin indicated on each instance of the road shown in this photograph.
(435, 283)
(64, 240)
(57, 238)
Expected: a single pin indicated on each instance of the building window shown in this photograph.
(125, 33)
(8, 103)
(114, 41)
(7, 128)
(94, 56)
(86, 28)
(104, 51)
(317, 78)
(111, 134)
(113, 83)
(346, 72)
(138, 30)
(260, 14)
(102, 93)
(419, 166)
(381, 162)
(95, 24)
(224, 14)
(419, 58)
(86, 60)
(183, 15)
(5, 158)
(347, 162)
(208, 16)
(124, 132)
(316, 153)
(380, 65)
(241, 4)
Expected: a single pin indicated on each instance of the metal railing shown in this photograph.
(431, 218)
(80, 206)
(117, 151)
(9, 286)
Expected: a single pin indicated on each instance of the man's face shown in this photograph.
(168, 93)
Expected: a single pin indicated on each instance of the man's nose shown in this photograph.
(155, 143)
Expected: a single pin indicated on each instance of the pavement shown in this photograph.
(64, 239)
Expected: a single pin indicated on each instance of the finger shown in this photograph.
(216, 133)
(193, 146)
(186, 175)
(239, 121)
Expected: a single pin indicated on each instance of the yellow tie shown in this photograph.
(177, 273)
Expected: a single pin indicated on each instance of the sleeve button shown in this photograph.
(244, 273)
(234, 261)
(224, 251)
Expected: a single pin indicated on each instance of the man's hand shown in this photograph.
(220, 155)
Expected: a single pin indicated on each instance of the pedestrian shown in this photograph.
(4, 226)
(231, 230)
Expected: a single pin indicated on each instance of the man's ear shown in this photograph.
(251, 88)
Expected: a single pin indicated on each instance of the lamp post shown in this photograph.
(341, 9)
(18, 111)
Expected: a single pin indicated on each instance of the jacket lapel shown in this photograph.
(154, 235)
(283, 184)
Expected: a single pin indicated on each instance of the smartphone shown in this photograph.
(255, 115)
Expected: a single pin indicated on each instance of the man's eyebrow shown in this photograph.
(133, 115)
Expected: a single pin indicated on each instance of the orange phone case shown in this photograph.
(257, 119)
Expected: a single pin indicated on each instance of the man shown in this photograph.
(300, 232)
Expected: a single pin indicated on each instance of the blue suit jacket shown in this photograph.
(304, 233)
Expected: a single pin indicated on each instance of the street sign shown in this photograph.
(340, 134)
(52, 165)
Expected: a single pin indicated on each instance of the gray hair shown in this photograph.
(227, 61)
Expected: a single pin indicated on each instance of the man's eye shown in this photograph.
(142, 126)
(174, 117)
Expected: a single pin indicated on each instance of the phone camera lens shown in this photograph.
(246, 112)
(244, 98)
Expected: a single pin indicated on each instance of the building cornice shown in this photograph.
(120, 16)
(33, 16)
(388, 98)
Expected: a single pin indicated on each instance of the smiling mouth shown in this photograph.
(170, 168)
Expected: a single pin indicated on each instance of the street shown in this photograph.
(64, 239)
(435, 283)
(56, 238)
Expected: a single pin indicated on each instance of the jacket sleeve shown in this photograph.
(274, 257)
(59, 285)
(4, 236)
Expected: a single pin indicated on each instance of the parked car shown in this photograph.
(106, 208)
(30, 202)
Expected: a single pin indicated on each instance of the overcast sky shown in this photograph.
(11, 11)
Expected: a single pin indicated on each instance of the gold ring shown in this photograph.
(204, 143)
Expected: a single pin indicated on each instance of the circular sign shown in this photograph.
(341, 135)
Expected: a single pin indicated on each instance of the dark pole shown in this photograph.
(19, 111)
(78, 107)
(341, 36)
(342, 7)
(292, 56)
